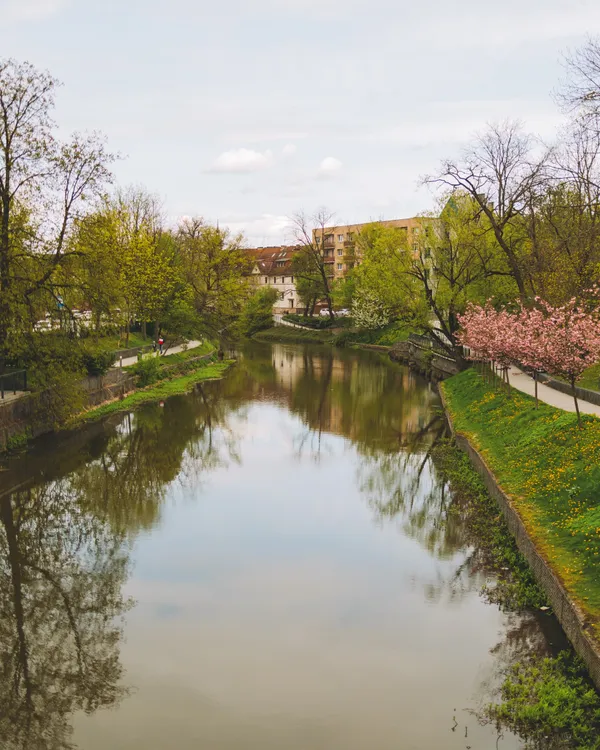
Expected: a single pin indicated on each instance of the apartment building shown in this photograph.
(338, 243)
(272, 266)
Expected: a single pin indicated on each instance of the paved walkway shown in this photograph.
(523, 382)
(174, 350)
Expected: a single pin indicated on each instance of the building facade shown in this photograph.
(338, 243)
(272, 266)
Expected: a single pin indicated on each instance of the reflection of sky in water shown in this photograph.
(276, 611)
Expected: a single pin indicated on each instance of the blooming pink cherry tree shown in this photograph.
(563, 340)
(567, 342)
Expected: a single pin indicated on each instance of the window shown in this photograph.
(283, 280)
(340, 252)
(291, 279)
(340, 266)
(318, 240)
(291, 302)
(340, 237)
(266, 279)
(350, 236)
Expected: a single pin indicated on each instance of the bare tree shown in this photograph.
(312, 266)
(43, 185)
(580, 92)
(500, 173)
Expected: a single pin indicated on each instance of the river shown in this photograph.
(268, 562)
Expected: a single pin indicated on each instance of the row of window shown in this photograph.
(282, 279)
(329, 238)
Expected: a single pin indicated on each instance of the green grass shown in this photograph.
(157, 392)
(550, 469)
(135, 340)
(294, 335)
(591, 378)
(388, 336)
(204, 348)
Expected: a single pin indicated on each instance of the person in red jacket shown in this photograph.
(161, 341)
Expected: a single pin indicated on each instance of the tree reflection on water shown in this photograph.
(60, 608)
(78, 502)
(65, 538)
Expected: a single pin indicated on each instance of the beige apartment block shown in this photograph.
(339, 243)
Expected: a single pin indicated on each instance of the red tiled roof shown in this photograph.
(273, 261)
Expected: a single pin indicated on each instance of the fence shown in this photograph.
(426, 342)
(13, 380)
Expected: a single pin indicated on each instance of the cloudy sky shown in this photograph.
(246, 111)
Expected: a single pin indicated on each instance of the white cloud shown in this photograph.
(266, 229)
(29, 10)
(289, 150)
(329, 167)
(242, 160)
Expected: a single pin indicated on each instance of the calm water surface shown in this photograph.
(266, 563)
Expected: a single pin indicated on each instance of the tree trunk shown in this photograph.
(576, 403)
(144, 329)
(15, 562)
(5, 264)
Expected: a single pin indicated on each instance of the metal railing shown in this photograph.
(427, 342)
(12, 380)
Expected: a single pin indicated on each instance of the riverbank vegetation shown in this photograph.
(83, 261)
(286, 334)
(549, 468)
(175, 385)
(515, 587)
(549, 703)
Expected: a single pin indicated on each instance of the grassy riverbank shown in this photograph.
(158, 392)
(286, 334)
(549, 468)
(515, 587)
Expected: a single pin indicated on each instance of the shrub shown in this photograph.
(147, 370)
(258, 312)
(97, 359)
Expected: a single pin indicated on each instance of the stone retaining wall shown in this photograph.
(16, 416)
(427, 361)
(572, 619)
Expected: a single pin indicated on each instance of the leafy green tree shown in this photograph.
(258, 312)
(216, 269)
(453, 259)
(45, 179)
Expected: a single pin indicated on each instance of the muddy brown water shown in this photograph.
(268, 562)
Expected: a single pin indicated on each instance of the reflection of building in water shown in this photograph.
(338, 392)
(288, 364)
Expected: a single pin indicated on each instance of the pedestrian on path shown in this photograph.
(161, 341)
